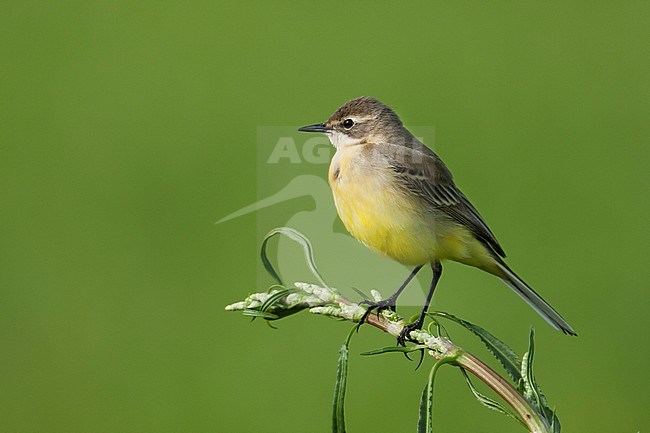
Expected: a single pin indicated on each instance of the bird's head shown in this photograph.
(358, 120)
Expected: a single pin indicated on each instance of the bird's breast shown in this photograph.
(378, 213)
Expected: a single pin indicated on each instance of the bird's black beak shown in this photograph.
(317, 127)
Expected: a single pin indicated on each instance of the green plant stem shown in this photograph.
(327, 301)
(505, 390)
(479, 369)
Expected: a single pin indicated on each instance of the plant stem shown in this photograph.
(327, 301)
(505, 390)
(533, 421)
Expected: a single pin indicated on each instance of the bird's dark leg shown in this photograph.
(404, 336)
(388, 303)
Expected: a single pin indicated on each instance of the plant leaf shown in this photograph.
(425, 419)
(257, 313)
(274, 299)
(530, 387)
(532, 391)
(272, 308)
(338, 406)
(360, 293)
(487, 401)
(399, 349)
(298, 237)
(555, 423)
(501, 351)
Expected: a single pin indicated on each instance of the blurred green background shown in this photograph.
(128, 128)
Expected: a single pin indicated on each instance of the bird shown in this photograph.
(397, 197)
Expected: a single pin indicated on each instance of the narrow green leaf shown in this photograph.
(338, 406)
(487, 401)
(360, 293)
(501, 351)
(265, 260)
(272, 308)
(273, 300)
(338, 414)
(279, 314)
(398, 349)
(532, 392)
(555, 423)
(257, 313)
(530, 386)
(302, 240)
(425, 419)
(422, 418)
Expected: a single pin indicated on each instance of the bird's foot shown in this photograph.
(379, 306)
(405, 334)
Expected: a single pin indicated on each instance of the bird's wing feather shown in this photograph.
(421, 172)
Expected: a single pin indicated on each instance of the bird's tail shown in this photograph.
(534, 300)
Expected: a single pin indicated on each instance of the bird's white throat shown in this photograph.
(339, 139)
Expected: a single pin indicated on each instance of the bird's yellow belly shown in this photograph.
(399, 226)
(389, 231)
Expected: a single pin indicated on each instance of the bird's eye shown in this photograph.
(348, 123)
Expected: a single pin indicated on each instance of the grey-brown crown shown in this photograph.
(366, 106)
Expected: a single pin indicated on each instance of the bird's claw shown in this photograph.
(405, 335)
(379, 306)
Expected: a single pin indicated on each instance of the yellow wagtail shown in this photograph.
(397, 197)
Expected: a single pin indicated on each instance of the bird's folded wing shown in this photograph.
(422, 173)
